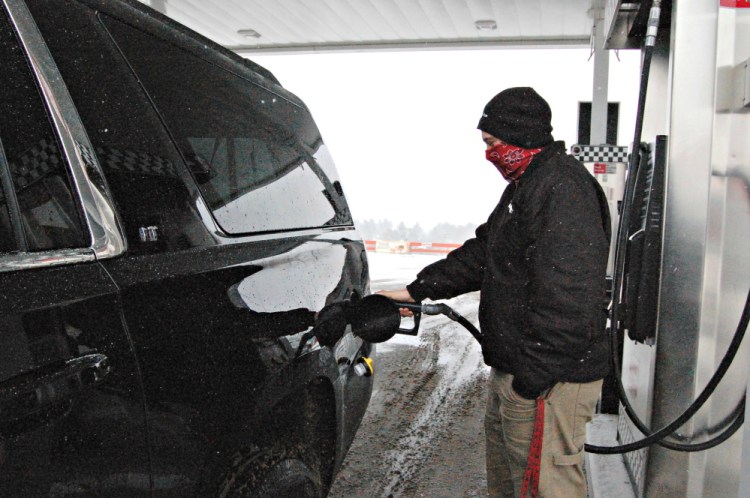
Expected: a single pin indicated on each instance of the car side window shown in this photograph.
(237, 138)
(48, 213)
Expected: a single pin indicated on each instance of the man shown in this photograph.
(540, 263)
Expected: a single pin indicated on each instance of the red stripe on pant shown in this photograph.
(534, 462)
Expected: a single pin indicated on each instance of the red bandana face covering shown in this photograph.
(510, 161)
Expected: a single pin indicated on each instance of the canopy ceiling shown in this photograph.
(256, 26)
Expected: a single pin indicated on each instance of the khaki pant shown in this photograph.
(509, 424)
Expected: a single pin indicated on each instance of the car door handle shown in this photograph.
(50, 387)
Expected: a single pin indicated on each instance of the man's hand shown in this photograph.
(399, 295)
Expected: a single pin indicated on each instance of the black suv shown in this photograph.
(170, 220)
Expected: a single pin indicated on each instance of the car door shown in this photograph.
(217, 319)
(72, 421)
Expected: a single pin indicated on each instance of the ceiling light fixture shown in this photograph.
(485, 24)
(248, 33)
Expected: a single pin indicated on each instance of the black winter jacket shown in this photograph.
(540, 263)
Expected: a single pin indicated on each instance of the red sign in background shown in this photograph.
(600, 168)
(737, 4)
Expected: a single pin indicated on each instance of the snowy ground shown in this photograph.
(423, 434)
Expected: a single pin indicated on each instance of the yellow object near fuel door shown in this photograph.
(363, 367)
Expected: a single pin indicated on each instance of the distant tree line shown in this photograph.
(442, 232)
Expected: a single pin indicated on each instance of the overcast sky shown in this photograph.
(401, 126)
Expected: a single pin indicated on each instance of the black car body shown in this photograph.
(170, 220)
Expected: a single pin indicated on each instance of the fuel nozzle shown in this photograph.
(375, 318)
(436, 309)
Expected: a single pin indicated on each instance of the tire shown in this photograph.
(277, 472)
(289, 478)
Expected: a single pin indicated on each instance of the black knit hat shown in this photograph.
(518, 116)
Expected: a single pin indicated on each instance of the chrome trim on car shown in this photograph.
(45, 259)
(107, 238)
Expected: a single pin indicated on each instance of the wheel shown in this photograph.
(276, 472)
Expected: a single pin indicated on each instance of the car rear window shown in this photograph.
(239, 139)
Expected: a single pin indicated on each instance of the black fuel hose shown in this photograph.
(444, 309)
(622, 236)
(659, 436)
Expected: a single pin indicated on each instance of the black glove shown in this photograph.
(331, 323)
